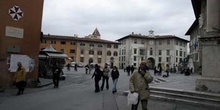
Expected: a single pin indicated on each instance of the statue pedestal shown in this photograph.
(210, 80)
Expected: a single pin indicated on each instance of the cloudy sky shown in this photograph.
(117, 18)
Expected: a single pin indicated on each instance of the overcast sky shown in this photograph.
(117, 18)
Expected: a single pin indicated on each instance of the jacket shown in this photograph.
(114, 74)
(139, 83)
(20, 75)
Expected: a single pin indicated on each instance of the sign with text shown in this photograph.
(14, 32)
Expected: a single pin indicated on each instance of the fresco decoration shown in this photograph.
(16, 13)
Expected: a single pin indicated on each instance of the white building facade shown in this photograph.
(166, 49)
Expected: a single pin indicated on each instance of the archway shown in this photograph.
(151, 63)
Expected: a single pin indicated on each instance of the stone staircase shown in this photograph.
(189, 97)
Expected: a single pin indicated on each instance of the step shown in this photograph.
(192, 102)
(186, 92)
(184, 96)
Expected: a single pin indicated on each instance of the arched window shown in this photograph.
(109, 53)
(91, 52)
(115, 53)
(99, 52)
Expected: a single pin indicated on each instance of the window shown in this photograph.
(176, 52)
(120, 52)
(119, 59)
(100, 45)
(176, 42)
(108, 53)
(184, 54)
(142, 41)
(91, 52)
(109, 46)
(115, 46)
(142, 58)
(176, 60)
(151, 51)
(63, 42)
(160, 52)
(72, 50)
(43, 41)
(160, 42)
(135, 58)
(168, 59)
(81, 59)
(142, 51)
(159, 59)
(115, 53)
(168, 42)
(62, 50)
(180, 60)
(168, 52)
(82, 51)
(181, 52)
(181, 43)
(99, 60)
(99, 52)
(72, 43)
(135, 51)
(53, 41)
(91, 45)
(135, 41)
(82, 44)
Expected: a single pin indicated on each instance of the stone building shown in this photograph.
(164, 49)
(88, 49)
(20, 32)
(207, 28)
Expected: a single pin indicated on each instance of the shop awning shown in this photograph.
(57, 55)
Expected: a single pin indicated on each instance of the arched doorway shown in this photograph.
(151, 62)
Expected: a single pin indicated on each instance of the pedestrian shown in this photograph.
(75, 67)
(105, 77)
(167, 71)
(139, 82)
(115, 76)
(68, 66)
(87, 68)
(56, 75)
(128, 68)
(132, 69)
(97, 74)
(20, 78)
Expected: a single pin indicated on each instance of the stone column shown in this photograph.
(213, 15)
(210, 80)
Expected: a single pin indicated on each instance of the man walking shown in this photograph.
(139, 82)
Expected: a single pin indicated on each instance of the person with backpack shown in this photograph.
(105, 77)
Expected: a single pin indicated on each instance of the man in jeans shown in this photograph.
(139, 82)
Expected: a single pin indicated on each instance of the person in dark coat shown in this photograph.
(56, 75)
(128, 68)
(97, 74)
(115, 76)
(132, 69)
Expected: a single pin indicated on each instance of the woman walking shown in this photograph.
(20, 78)
(115, 76)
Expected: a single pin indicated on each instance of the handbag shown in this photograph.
(144, 94)
(132, 98)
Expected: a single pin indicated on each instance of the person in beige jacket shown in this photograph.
(20, 78)
(139, 81)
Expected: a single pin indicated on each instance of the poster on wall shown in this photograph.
(15, 58)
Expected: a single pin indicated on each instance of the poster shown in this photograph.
(15, 58)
